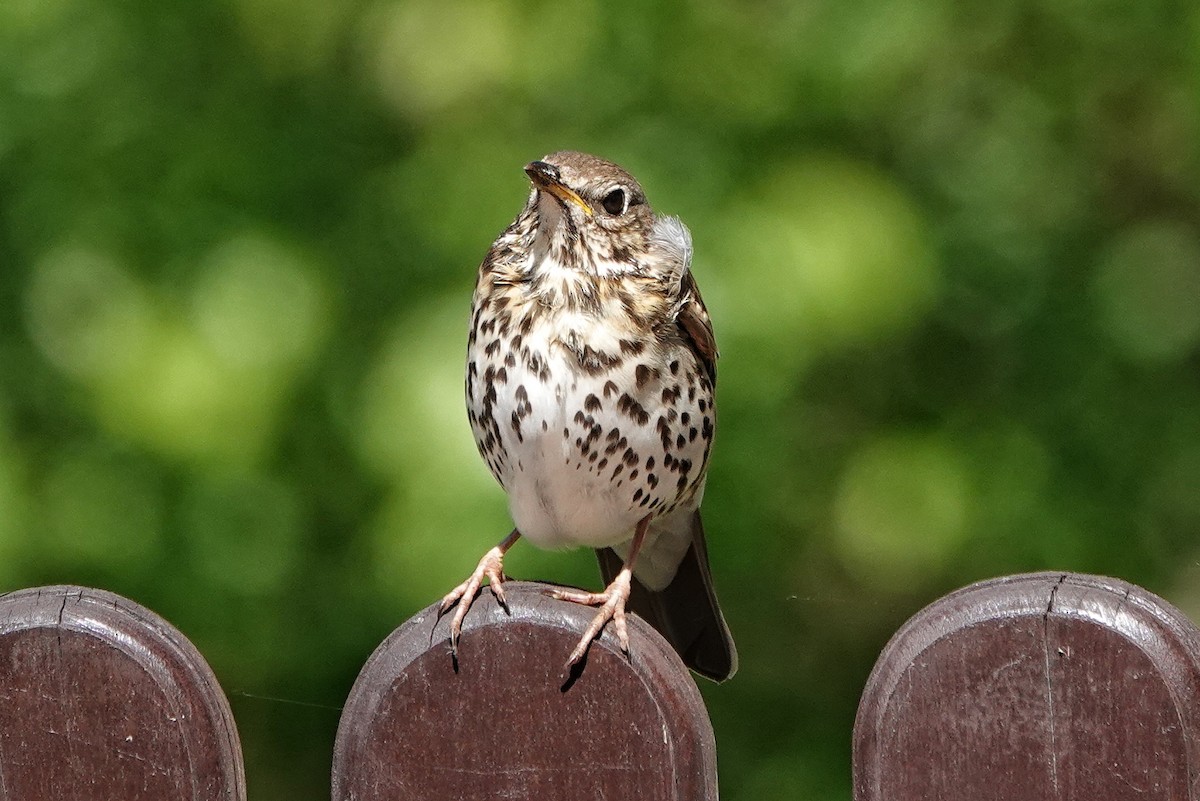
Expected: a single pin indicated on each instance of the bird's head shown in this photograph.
(589, 214)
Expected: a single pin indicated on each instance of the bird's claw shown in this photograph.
(489, 567)
(612, 607)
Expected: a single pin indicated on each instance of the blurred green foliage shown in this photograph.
(952, 253)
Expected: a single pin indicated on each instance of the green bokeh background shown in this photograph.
(951, 251)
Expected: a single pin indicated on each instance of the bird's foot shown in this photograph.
(491, 567)
(612, 607)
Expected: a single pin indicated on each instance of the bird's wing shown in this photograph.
(675, 240)
(697, 325)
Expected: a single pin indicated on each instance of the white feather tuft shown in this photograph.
(672, 236)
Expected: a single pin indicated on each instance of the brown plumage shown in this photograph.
(591, 368)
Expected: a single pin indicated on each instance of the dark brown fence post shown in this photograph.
(100, 699)
(504, 724)
(1042, 686)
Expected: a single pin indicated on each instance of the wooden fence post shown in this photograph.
(100, 699)
(1041, 686)
(503, 723)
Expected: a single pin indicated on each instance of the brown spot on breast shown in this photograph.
(664, 432)
(592, 404)
(633, 409)
(595, 362)
(523, 405)
(610, 388)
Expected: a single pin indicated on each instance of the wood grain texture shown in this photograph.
(1041, 686)
(506, 724)
(101, 699)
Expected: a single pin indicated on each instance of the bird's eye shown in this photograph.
(615, 202)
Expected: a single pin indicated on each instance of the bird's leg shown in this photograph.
(611, 601)
(491, 567)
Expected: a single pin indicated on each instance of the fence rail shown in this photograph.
(1043, 686)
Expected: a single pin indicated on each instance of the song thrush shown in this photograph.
(590, 372)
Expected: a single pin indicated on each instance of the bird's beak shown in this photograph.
(547, 177)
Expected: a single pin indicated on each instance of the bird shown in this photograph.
(590, 378)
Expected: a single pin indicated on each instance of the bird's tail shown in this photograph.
(686, 611)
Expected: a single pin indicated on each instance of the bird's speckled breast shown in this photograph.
(588, 429)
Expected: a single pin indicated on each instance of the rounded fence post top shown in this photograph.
(505, 720)
(104, 699)
(1035, 686)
